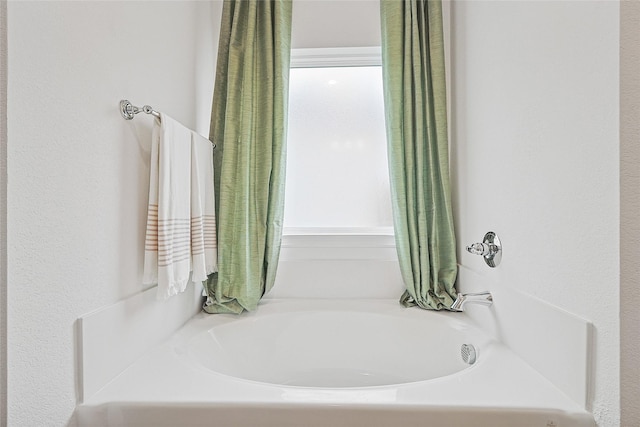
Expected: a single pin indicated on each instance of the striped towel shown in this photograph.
(204, 255)
(167, 258)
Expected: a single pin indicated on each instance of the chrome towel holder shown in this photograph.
(128, 110)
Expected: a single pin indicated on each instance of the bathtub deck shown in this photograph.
(164, 388)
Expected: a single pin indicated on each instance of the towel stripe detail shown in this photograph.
(177, 239)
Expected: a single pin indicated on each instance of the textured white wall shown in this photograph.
(330, 23)
(3, 213)
(629, 208)
(535, 158)
(78, 173)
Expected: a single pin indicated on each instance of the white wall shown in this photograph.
(535, 159)
(629, 208)
(3, 213)
(330, 23)
(78, 172)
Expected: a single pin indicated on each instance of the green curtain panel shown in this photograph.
(248, 126)
(416, 120)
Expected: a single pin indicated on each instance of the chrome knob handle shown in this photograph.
(490, 249)
(478, 249)
(483, 249)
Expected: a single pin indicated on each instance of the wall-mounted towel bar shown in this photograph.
(129, 110)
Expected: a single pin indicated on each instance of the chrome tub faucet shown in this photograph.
(482, 298)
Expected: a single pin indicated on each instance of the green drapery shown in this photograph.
(248, 126)
(416, 120)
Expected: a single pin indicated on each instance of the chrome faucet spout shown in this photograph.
(482, 298)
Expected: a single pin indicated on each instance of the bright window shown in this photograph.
(337, 172)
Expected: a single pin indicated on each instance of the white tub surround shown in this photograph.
(170, 385)
(317, 262)
(114, 337)
(331, 345)
(556, 343)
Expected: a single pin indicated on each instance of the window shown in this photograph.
(337, 171)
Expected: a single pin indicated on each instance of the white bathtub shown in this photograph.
(330, 363)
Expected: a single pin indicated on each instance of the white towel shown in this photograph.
(204, 255)
(168, 243)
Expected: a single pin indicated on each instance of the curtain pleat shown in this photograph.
(248, 126)
(416, 123)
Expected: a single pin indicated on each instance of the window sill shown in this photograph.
(339, 243)
(338, 231)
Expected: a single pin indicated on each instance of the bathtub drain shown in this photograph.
(468, 353)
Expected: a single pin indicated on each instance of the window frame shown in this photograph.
(336, 57)
(326, 58)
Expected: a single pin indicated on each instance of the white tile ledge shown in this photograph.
(555, 342)
(113, 337)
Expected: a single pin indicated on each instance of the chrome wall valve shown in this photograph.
(490, 249)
